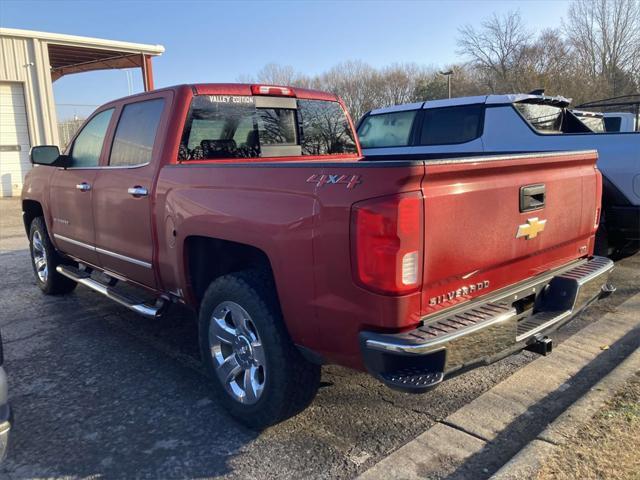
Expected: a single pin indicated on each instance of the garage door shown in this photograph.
(14, 139)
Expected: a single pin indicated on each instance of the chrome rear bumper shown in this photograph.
(484, 329)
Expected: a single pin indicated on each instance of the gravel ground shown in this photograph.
(99, 391)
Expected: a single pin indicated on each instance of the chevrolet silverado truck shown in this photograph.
(515, 123)
(253, 205)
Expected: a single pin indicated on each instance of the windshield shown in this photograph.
(225, 127)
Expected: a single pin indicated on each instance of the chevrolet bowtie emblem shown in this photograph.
(531, 229)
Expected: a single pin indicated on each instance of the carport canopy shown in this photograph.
(73, 54)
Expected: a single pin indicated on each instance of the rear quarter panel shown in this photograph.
(302, 225)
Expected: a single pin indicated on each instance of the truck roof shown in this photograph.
(237, 89)
(480, 99)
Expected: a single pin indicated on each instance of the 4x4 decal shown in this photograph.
(326, 179)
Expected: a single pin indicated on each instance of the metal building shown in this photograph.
(29, 64)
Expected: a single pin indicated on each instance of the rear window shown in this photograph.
(233, 127)
(386, 129)
(325, 129)
(136, 133)
(443, 126)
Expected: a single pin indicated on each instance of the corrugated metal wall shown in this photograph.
(25, 61)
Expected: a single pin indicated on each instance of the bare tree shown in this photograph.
(497, 49)
(276, 74)
(398, 83)
(357, 82)
(605, 39)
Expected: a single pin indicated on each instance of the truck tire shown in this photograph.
(602, 246)
(45, 259)
(259, 375)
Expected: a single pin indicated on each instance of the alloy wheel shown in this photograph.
(39, 257)
(237, 352)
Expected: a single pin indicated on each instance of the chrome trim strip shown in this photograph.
(119, 256)
(495, 158)
(124, 257)
(107, 167)
(74, 242)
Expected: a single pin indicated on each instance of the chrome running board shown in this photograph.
(136, 305)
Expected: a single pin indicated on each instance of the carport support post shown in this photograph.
(147, 72)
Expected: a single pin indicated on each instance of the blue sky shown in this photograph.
(221, 41)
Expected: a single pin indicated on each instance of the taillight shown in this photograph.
(386, 243)
(272, 90)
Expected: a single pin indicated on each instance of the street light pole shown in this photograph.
(448, 74)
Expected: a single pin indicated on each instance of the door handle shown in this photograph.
(137, 191)
(83, 187)
(532, 197)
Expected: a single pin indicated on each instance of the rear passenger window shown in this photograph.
(88, 144)
(136, 133)
(386, 129)
(443, 126)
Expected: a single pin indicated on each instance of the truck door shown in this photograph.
(72, 189)
(122, 197)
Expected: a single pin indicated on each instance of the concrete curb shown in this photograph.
(488, 432)
(532, 457)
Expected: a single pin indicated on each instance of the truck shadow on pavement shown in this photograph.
(529, 425)
(98, 391)
(89, 399)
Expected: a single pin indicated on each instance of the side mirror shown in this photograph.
(49, 155)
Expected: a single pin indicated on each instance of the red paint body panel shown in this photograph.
(472, 216)
(302, 224)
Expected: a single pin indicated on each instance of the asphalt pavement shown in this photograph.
(99, 392)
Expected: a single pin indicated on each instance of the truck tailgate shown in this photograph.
(477, 236)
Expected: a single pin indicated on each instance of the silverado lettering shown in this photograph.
(460, 292)
(208, 209)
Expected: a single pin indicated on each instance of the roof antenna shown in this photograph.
(537, 91)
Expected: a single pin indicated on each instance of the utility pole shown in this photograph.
(448, 74)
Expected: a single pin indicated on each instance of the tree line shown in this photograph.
(594, 53)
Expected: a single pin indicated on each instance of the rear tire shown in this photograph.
(602, 246)
(45, 259)
(258, 374)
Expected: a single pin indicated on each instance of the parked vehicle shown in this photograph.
(621, 122)
(517, 123)
(5, 409)
(621, 114)
(253, 205)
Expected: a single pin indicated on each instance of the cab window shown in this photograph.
(88, 144)
(136, 133)
(386, 129)
(325, 129)
(220, 129)
(226, 127)
(451, 125)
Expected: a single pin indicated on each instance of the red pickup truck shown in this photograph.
(252, 204)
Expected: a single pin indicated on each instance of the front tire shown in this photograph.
(258, 374)
(45, 259)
